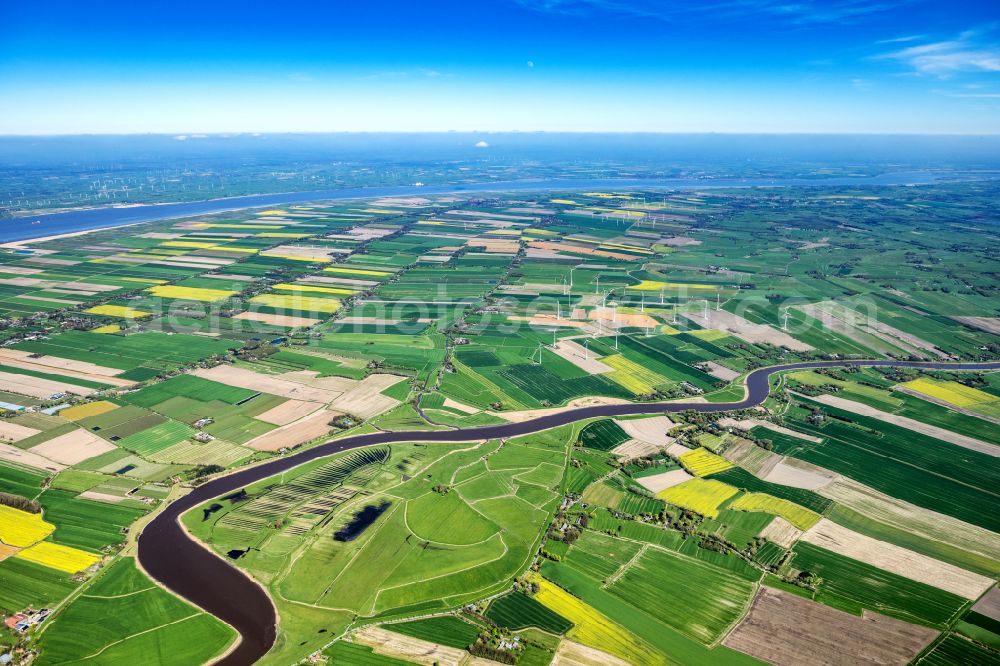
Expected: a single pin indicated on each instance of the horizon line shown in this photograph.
(196, 135)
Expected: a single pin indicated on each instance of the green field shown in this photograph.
(707, 601)
(519, 611)
(351, 654)
(124, 617)
(603, 435)
(26, 584)
(446, 630)
(911, 466)
(957, 650)
(851, 585)
(85, 524)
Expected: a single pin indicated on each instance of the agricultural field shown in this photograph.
(138, 362)
(702, 496)
(123, 616)
(446, 523)
(519, 611)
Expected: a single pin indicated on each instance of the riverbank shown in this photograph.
(22, 244)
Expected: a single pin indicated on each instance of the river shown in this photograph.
(194, 572)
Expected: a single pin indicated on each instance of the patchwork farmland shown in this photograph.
(143, 362)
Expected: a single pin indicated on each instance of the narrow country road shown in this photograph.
(197, 574)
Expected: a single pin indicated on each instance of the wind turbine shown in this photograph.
(538, 352)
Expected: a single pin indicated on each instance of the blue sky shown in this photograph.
(553, 65)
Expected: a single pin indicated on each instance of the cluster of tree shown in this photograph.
(813, 390)
(201, 471)
(482, 648)
(18, 502)
(255, 349)
(344, 421)
(497, 644)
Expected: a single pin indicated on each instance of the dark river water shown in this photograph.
(35, 226)
(194, 572)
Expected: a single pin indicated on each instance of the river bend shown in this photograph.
(194, 572)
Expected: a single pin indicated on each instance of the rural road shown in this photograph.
(197, 574)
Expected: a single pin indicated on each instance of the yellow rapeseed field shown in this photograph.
(708, 334)
(190, 293)
(56, 556)
(21, 529)
(797, 515)
(230, 248)
(656, 285)
(90, 409)
(198, 245)
(357, 271)
(951, 392)
(622, 246)
(617, 212)
(297, 302)
(699, 495)
(702, 462)
(110, 328)
(631, 375)
(118, 311)
(593, 628)
(316, 290)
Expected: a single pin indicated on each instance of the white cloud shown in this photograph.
(966, 53)
(404, 73)
(482, 144)
(433, 73)
(969, 95)
(790, 11)
(899, 40)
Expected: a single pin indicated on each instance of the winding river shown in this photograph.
(192, 571)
